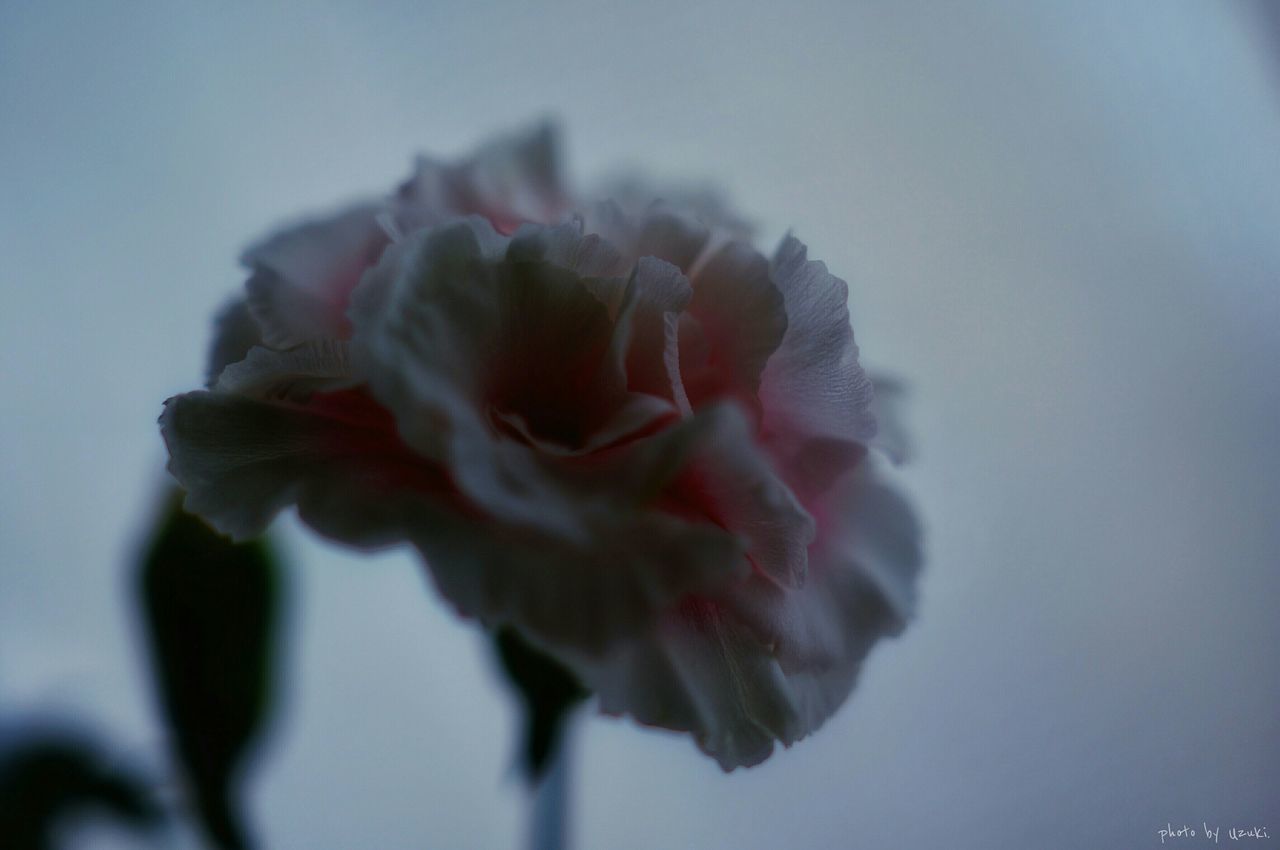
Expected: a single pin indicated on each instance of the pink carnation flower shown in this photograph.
(621, 431)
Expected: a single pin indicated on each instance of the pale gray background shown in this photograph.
(1059, 222)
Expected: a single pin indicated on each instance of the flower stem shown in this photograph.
(548, 825)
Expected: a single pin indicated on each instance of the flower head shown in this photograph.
(615, 427)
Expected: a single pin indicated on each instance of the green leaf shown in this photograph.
(549, 693)
(54, 776)
(211, 609)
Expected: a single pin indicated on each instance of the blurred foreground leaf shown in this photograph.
(549, 691)
(211, 610)
(54, 777)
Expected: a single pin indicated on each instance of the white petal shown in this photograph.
(812, 386)
(660, 230)
(479, 360)
(267, 374)
(656, 295)
(760, 663)
(511, 180)
(633, 561)
(735, 481)
(740, 320)
(671, 235)
(638, 413)
(427, 321)
(303, 276)
(522, 173)
(704, 675)
(633, 194)
(891, 435)
(234, 334)
(567, 246)
(340, 461)
(609, 221)
(242, 460)
(878, 530)
(579, 599)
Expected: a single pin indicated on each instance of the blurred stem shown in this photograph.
(548, 825)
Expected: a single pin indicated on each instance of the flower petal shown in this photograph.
(730, 482)
(234, 334)
(511, 180)
(812, 386)
(671, 235)
(864, 565)
(521, 172)
(428, 320)
(583, 599)
(486, 360)
(738, 320)
(243, 460)
(567, 246)
(657, 294)
(701, 673)
(516, 335)
(631, 195)
(338, 458)
(760, 663)
(635, 560)
(265, 373)
(303, 276)
(661, 231)
(891, 435)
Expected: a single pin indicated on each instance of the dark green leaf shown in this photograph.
(52, 777)
(211, 608)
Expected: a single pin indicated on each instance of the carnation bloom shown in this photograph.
(619, 430)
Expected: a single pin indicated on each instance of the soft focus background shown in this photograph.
(1060, 223)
